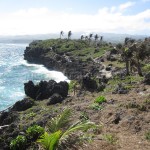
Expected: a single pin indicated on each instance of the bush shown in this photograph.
(146, 68)
(34, 132)
(100, 100)
(96, 106)
(72, 85)
(147, 135)
(19, 143)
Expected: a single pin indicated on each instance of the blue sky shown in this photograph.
(50, 16)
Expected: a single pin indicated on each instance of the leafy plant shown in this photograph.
(34, 132)
(72, 85)
(84, 116)
(18, 143)
(31, 115)
(147, 135)
(100, 100)
(60, 136)
(50, 141)
(60, 121)
(110, 138)
(146, 68)
(96, 106)
(53, 140)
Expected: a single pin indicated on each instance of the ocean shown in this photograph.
(15, 71)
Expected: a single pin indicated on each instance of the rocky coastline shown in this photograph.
(96, 71)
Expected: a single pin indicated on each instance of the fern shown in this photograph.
(60, 121)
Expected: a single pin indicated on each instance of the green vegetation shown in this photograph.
(19, 143)
(72, 85)
(77, 48)
(147, 135)
(147, 101)
(96, 106)
(146, 68)
(127, 81)
(60, 121)
(33, 132)
(60, 131)
(84, 116)
(100, 100)
(110, 138)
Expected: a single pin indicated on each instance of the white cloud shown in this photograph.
(42, 20)
(126, 5)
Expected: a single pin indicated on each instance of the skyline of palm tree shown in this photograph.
(61, 34)
(69, 34)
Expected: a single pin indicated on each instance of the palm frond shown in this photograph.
(79, 126)
(60, 121)
(50, 141)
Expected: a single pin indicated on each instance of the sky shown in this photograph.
(27, 17)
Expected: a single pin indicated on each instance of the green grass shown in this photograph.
(147, 135)
(100, 100)
(76, 48)
(110, 138)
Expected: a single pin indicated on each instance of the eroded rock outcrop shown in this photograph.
(45, 89)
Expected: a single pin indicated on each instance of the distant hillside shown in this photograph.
(108, 37)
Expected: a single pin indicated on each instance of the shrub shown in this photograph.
(100, 100)
(96, 106)
(19, 143)
(72, 85)
(84, 116)
(34, 132)
(147, 135)
(146, 68)
(110, 138)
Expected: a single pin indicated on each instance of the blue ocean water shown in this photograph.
(15, 71)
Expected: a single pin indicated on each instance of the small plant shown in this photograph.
(72, 85)
(100, 100)
(34, 132)
(31, 115)
(60, 121)
(147, 135)
(147, 101)
(96, 106)
(84, 116)
(110, 138)
(61, 132)
(146, 68)
(19, 143)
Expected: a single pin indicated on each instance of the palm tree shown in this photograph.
(61, 34)
(60, 136)
(101, 39)
(69, 34)
(90, 37)
(96, 38)
(82, 37)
